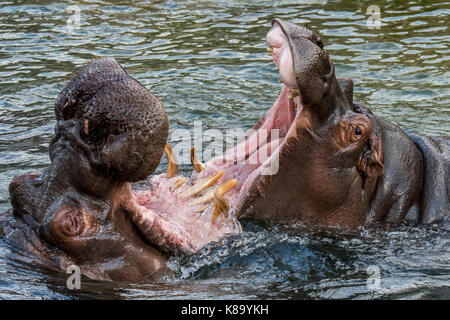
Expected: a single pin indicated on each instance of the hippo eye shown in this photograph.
(358, 131)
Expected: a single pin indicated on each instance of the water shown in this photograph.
(206, 60)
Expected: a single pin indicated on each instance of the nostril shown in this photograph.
(358, 131)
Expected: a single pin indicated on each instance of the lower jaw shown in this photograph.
(178, 218)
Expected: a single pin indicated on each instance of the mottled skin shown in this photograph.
(341, 166)
(345, 166)
(110, 131)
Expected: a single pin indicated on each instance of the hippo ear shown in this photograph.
(372, 168)
(346, 85)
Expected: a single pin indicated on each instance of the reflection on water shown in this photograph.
(207, 60)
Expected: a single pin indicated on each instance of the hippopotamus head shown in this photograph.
(110, 131)
(323, 157)
(337, 163)
(329, 156)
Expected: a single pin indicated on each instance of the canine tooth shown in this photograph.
(201, 185)
(293, 94)
(172, 165)
(221, 205)
(177, 184)
(198, 166)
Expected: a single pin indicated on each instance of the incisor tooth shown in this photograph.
(200, 209)
(207, 197)
(221, 205)
(177, 184)
(201, 185)
(198, 166)
(172, 165)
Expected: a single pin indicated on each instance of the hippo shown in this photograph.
(315, 158)
(338, 163)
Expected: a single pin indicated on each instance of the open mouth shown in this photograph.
(183, 214)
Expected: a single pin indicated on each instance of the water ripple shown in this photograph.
(207, 60)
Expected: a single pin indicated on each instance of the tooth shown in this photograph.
(226, 186)
(221, 205)
(177, 184)
(269, 49)
(172, 165)
(198, 166)
(280, 81)
(293, 94)
(207, 197)
(201, 209)
(201, 185)
(277, 69)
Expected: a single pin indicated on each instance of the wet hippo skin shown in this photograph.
(336, 163)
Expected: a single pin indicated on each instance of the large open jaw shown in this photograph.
(182, 214)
